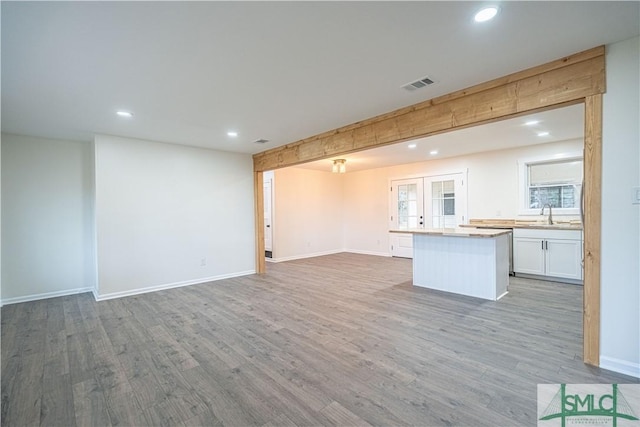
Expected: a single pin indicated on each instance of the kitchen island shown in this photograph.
(473, 262)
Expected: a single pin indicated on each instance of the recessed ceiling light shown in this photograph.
(127, 114)
(532, 122)
(433, 152)
(543, 133)
(486, 14)
(232, 134)
(412, 145)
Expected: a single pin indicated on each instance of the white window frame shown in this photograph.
(523, 183)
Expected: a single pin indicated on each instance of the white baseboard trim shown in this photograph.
(313, 255)
(357, 251)
(620, 366)
(103, 297)
(338, 251)
(46, 295)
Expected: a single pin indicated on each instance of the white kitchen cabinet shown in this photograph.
(564, 258)
(551, 253)
(528, 255)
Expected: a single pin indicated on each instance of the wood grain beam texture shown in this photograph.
(592, 228)
(258, 189)
(565, 81)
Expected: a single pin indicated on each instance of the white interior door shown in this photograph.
(407, 206)
(406, 212)
(268, 229)
(446, 200)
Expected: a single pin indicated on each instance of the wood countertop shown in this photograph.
(456, 232)
(516, 223)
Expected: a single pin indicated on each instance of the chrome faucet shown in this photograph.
(550, 219)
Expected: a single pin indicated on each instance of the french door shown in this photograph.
(408, 204)
(429, 202)
(446, 198)
(407, 212)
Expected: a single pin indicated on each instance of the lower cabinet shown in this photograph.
(528, 255)
(550, 253)
(401, 245)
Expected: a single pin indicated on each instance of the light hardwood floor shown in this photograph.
(336, 340)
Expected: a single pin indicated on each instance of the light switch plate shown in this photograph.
(636, 196)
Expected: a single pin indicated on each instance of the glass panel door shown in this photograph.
(407, 204)
(446, 198)
(406, 210)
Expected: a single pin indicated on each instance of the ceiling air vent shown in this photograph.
(418, 84)
(260, 141)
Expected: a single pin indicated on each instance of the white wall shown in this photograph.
(0, 221)
(47, 218)
(620, 260)
(308, 208)
(366, 212)
(170, 215)
(492, 190)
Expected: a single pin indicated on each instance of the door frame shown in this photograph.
(268, 181)
(434, 174)
(419, 181)
(575, 79)
(395, 239)
(461, 201)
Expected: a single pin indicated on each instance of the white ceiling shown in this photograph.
(283, 71)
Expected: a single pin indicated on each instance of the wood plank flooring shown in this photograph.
(335, 340)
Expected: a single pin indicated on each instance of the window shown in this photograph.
(554, 182)
(443, 206)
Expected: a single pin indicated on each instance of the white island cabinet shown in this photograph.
(473, 262)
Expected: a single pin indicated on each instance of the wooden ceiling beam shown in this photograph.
(564, 81)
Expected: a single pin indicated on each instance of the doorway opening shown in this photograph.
(572, 80)
(267, 187)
